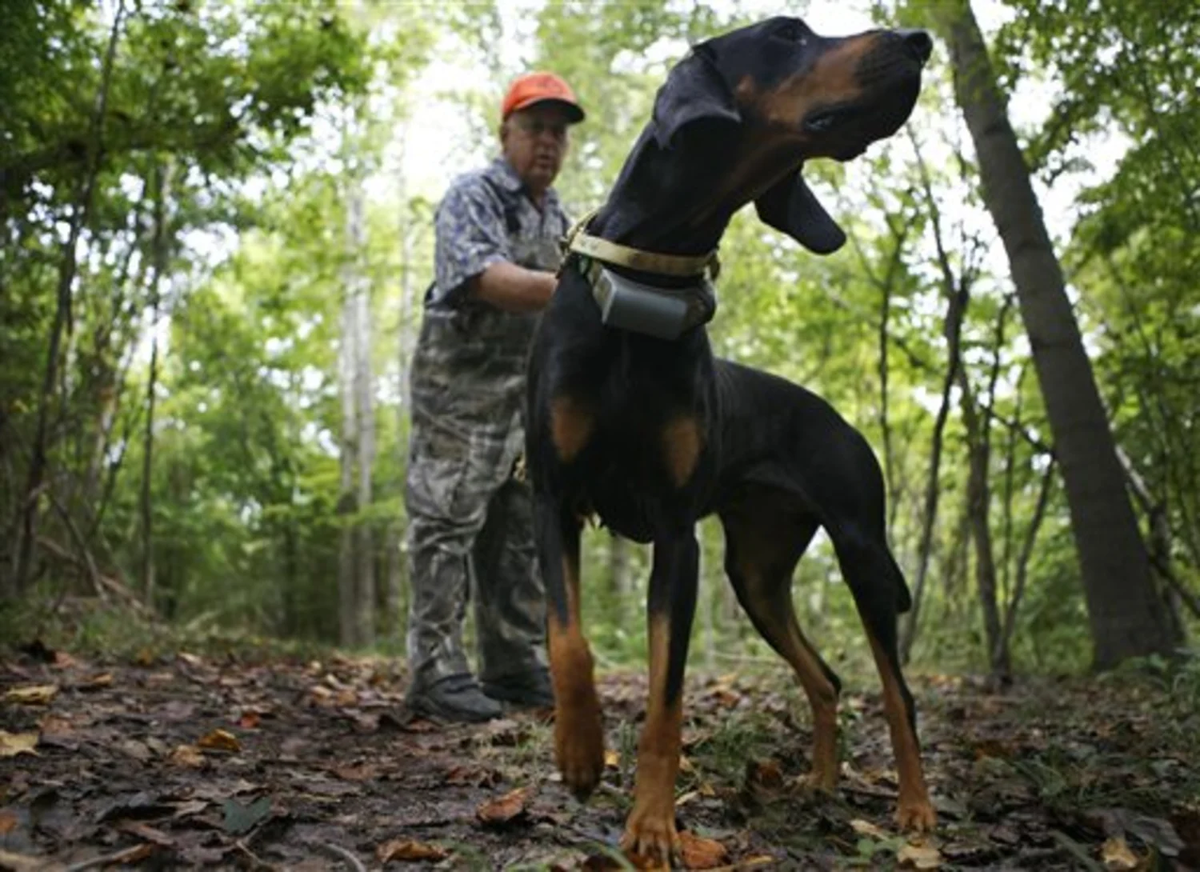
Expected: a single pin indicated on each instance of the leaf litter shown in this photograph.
(193, 761)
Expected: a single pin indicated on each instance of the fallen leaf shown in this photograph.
(1117, 856)
(187, 755)
(249, 720)
(220, 740)
(764, 773)
(866, 828)
(148, 833)
(132, 855)
(189, 808)
(102, 679)
(8, 821)
(700, 853)
(23, 863)
(145, 657)
(503, 809)
(407, 849)
(37, 694)
(12, 744)
(62, 660)
(190, 659)
(137, 750)
(55, 725)
(919, 856)
(612, 758)
(240, 819)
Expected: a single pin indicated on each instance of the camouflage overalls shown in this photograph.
(469, 519)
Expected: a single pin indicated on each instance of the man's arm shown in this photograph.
(513, 288)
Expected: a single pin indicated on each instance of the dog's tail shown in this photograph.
(903, 596)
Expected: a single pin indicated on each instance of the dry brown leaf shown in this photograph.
(145, 657)
(765, 773)
(133, 855)
(102, 679)
(1117, 855)
(8, 822)
(190, 659)
(612, 758)
(12, 744)
(55, 725)
(63, 660)
(220, 740)
(699, 853)
(919, 856)
(36, 694)
(866, 828)
(24, 863)
(148, 833)
(504, 808)
(187, 755)
(407, 849)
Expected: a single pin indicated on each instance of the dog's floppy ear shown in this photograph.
(790, 205)
(694, 91)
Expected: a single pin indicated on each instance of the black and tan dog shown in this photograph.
(632, 418)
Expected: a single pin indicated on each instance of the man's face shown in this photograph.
(535, 143)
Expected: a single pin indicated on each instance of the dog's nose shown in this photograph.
(919, 42)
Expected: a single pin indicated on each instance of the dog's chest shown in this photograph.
(645, 467)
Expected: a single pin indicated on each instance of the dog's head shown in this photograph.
(791, 95)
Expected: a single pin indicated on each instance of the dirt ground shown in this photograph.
(178, 761)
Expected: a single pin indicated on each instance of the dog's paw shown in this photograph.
(650, 840)
(579, 742)
(916, 815)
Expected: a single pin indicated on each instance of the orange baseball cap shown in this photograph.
(537, 87)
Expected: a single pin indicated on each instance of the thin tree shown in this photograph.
(159, 246)
(62, 323)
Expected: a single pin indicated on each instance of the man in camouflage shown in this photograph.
(470, 513)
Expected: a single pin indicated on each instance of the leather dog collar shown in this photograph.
(682, 266)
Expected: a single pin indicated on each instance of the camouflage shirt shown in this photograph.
(484, 218)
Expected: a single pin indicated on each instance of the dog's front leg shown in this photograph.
(578, 731)
(650, 830)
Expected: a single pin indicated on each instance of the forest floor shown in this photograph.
(170, 759)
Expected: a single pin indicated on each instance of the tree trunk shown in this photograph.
(27, 515)
(1127, 617)
(348, 499)
(364, 390)
(162, 185)
(955, 309)
(356, 563)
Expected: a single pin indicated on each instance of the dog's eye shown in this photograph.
(792, 31)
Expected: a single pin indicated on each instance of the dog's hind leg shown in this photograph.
(578, 730)
(762, 546)
(879, 592)
(650, 830)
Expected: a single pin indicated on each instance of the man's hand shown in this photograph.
(513, 288)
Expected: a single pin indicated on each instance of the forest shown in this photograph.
(217, 234)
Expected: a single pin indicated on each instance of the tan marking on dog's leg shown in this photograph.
(650, 829)
(914, 811)
(578, 727)
(682, 443)
(571, 424)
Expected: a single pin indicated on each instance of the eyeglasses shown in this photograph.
(535, 127)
